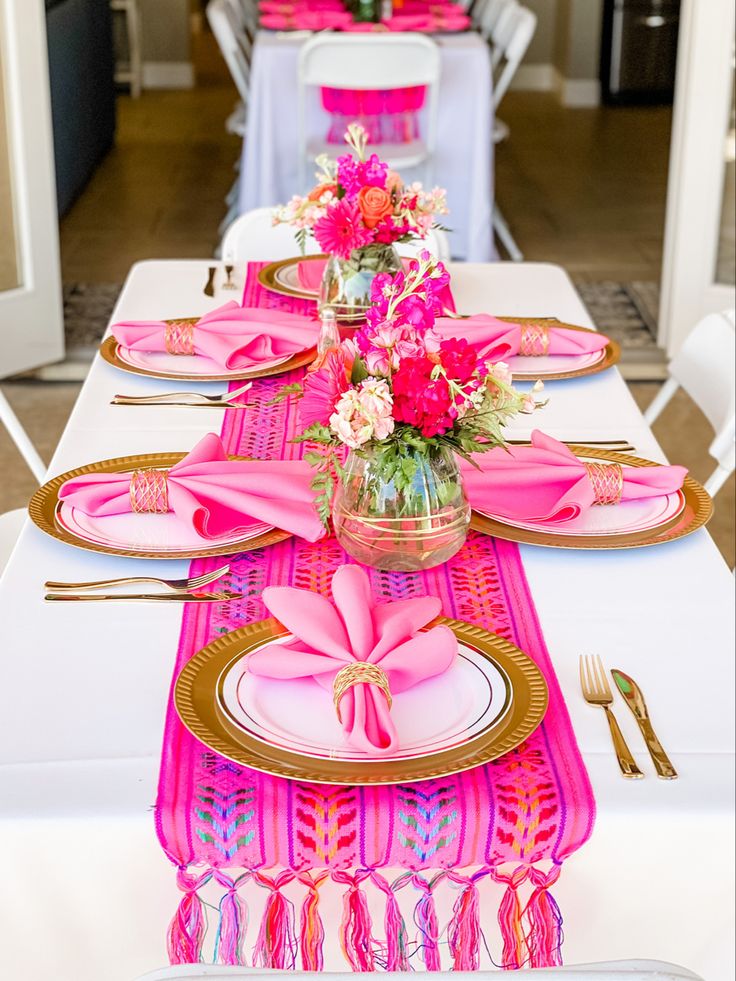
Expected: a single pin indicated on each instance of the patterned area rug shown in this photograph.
(626, 311)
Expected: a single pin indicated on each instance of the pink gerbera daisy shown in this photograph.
(323, 388)
(342, 230)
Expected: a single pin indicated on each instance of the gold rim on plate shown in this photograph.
(195, 698)
(268, 277)
(109, 353)
(611, 352)
(44, 504)
(696, 512)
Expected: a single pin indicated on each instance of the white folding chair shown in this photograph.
(639, 970)
(226, 25)
(11, 522)
(435, 242)
(509, 28)
(704, 367)
(130, 72)
(371, 61)
(253, 237)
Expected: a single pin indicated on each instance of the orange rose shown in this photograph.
(316, 193)
(374, 204)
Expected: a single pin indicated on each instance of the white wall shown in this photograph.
(165, 41)
(565, 51)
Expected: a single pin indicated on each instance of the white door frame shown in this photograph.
(697, 159)
(31, 316)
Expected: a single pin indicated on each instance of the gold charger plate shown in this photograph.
(196, 703)
(611, 355)
(269, 278)
(697, 512)
(44, 505)
(109, 353)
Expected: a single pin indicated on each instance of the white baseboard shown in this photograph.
(577, 93)
(534, 78)
(168, 75)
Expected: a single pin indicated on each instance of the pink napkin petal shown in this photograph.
(396, 622)
(545, 482)
(498, 339)
(355, 628)
(216, 496)
(311, 618)
(234, 337)
(353, 600)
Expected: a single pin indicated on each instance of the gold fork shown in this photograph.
(176, 584)
(597, 691)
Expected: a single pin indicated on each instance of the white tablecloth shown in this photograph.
(464, 157)
(86, 892)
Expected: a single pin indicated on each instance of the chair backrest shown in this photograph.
(226, 29)
(20, 437)
(705, 366)
(368, 61)
(253, 237)
(511, 38)
(490, 14)
(435, 242)
(639, 970)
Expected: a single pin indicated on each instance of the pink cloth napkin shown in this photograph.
(498, 339)
(232, 336)
(546, 482)
(214, 495)
(356, 628)
(306, 20)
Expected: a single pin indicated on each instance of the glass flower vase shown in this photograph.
(415, 522)
(346, 283)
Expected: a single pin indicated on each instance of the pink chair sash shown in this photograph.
(388, 115)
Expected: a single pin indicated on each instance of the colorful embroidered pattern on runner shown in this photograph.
(511, 822)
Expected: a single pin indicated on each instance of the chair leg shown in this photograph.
(660, 400)
(504, 234)
(717, 479)
(20, 438)
(134, 49)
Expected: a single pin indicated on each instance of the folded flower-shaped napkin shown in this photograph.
(213, 494)
(496, 339)
(232, 336)
(331, 639)
(547, 482)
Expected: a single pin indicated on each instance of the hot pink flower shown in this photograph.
(421, 400)
(342, 230)
(322, 389)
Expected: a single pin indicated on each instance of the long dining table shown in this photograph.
(86, 890)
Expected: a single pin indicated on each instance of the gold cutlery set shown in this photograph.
(597, 691)
(209, 286)
(176, 590)
(225, 400)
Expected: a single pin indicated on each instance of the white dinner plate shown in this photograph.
(299, 716)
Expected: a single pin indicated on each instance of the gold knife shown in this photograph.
(635, 700)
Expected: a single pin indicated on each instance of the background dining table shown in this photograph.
(463, 162)
(86, 890)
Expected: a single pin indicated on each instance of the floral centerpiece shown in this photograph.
(357, 211)
(389, 411)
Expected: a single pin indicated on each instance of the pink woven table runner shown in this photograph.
(238, 832)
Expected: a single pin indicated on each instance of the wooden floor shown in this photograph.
(581, 187)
